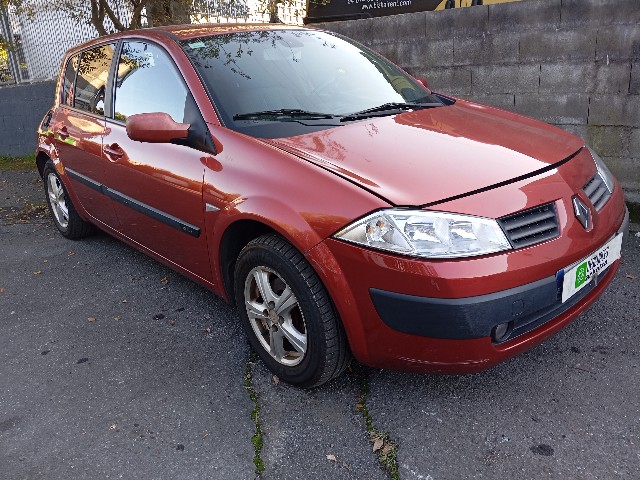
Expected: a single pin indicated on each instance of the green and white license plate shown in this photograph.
(578, 276)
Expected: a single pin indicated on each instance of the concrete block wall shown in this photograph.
(21, 110)
(573, 63)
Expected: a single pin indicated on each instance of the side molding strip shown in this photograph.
(143, 208)
(85, 180)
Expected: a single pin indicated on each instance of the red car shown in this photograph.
(343, 206)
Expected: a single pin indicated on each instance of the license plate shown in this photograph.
(581, 273)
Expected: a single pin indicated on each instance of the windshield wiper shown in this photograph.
(387, 109)
(285, 114)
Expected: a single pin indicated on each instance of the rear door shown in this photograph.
(79, 127)
(157, 188)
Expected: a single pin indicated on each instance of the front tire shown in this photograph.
(64, 214)
(288, 315)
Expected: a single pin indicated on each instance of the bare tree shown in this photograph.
(168, 12)
(105, 18)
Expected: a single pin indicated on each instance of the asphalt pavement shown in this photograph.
(114, 366)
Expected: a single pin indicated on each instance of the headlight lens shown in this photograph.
(603, 171)
(426, 234)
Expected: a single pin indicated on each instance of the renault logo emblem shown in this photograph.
(583, 214)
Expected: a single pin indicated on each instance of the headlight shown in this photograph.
(603, 171)
(426, 234)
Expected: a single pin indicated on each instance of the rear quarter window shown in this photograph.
(69, 81)
(91, 80)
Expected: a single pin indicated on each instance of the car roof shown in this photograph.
(205, 29)
(185, 32)
(188, 31)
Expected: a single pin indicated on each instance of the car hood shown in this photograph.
(430, 155)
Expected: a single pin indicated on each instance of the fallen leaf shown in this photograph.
(45, 261)
(630, 277)
(345, 465)
(91, 319)
(359, 406)
(331, 458)
(276, 380)
(205, 435)
(1, 290)
(38, 272)
(386, 449)
(113, 426)
(116, 318)
(164, 280)
(71, 254)
(377, 444)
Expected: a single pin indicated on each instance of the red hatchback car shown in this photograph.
(342, 206)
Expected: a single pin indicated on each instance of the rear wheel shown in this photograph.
(62, 210)
(287, 313)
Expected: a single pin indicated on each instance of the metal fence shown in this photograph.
(41, 34)
(233, 11)
(40, 38)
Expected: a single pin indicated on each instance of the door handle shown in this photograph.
(113, 150)
(62, 133)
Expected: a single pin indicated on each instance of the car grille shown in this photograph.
(531, 226)
(597, 191)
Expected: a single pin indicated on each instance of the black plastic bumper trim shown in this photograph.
(526, 307)
(462, 318)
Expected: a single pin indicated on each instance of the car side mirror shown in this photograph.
(424, 82)
(157, 127)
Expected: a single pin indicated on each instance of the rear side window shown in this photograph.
(148, 81)
(92, 78)
(69, 81)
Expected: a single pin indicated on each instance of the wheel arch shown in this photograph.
(41, 160)
(235, 237)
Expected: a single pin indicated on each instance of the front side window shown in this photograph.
(147, 82)
(92, 78)
(69, 80)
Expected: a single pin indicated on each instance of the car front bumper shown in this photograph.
(440, 317)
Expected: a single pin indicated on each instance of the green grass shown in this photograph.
(388, 453)
(24, 162)
(257, 439)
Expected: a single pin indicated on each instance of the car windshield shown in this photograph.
(276, 83)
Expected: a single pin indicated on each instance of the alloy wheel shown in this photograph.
(57, 200)
(275, 316)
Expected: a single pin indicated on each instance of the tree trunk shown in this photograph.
(272, 8)
(168, 12)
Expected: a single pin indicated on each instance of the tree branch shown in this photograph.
(137, 12)
(97, 18)
(112, 16)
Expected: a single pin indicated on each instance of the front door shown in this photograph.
(156, 188)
